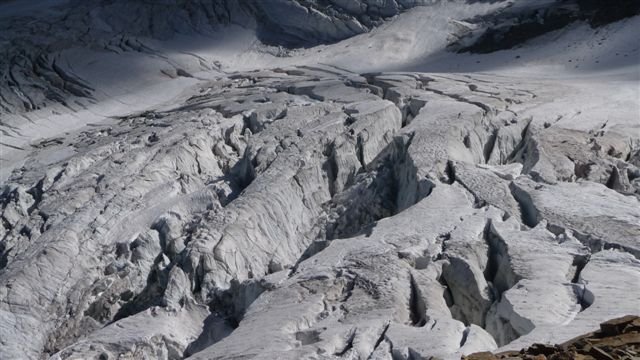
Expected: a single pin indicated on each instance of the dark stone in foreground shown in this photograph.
(617, 339)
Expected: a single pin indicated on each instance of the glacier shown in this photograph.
(315, 179)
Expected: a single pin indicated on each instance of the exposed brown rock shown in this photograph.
(617, 339)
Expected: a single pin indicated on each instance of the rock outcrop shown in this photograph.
(616, 339)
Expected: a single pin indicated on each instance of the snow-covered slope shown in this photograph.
(307, 179)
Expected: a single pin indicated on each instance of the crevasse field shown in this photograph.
(315, 179)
